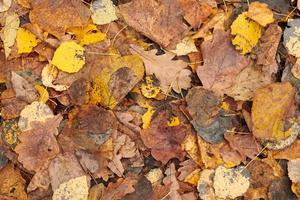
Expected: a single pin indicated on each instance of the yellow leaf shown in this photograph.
(186, 46)
(174, 121)
(260, 13)
(25, 41)
(10, 132)
(247, 33)
(69, 57)
(225, 106)
(149, 89)
(44, 95)
(154, 175)
(103, 12)
(146, 118)
(88, 35)
(229, 165)
(193, 177)
(49, 73)
(9, 32)
(101, 92)
(190, 145)
(74, 189)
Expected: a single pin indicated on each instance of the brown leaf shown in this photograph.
(230, 155)
(56, 16)
(116, 191)
(290, 153)
(261, 174)
(245, 144)
(271, 105)
(281, 189)
(163, 140)
(293, 170)
(170, 73)
(64, 168)
(222, 63)
(38, 145)
(40, 180)
(78, 92)
(160, 21)
(23, 88)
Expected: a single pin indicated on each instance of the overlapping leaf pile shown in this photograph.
(149, 99)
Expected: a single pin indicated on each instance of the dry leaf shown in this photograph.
(281, 189)
(103, 12)
(170, 73)
(35, 154)
(261, 174)
(5, 5)
(260, 13)
(290, 153)
(163, 140)
(49, 73)
(26, 41)
(291, 37)
(222, 63)
(160, 21)
(293, 170)
(40, 180)
(205, 185)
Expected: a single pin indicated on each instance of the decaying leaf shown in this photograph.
(271, 104)
(170, 73)
(260, 13)
(49, 73)
(5, 5)
(154, 175)
(222, 63)
(247, 33)
(103, 12)
(289, 153)
(160, 21)
(150, 88)
(23, 88)
(9, 32)
(205, 184)
(35, 154)
(40, 180)
(69, 57)
(261, 174)
(231, 183)
(10, 132)
(291, 37)
(293, 170)
(56, 16)
(281, 189)
(74, 189)
(163, 140)
(12, 184)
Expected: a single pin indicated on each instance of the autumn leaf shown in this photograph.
(10, 132)
(49, 73)
(170, 73)
(5, 5)
(260, 13)
(36, 154)
(26, 41)
(103, 12)
(290, 37)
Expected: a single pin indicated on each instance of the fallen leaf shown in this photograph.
(88, 161)
(9, 32)
(190, 145)
(12, 184)
(143, 190)
(185, 47)
(160, 21)
(289, 153)
(291, 37)
(281, 189)
(24, 89)
(49, 73)
(79, 91)
(170, 73)
(247, 33)
(150, 87)
(26, 41)
(271, 105)
(103, 12)
(260, 13)
(147, 117)
(36, 154)
(56, 16)
(43, 93)
(230, 156)
(74, 189)
(40, 180)
(154, 175)
(5, 5)
(36, 111)
(293, 170)
(10, 132)
(231, 183)
(222, 63)
(163, 140)
(205, 185)
(172, 180)
(69, 57)
(261, 174)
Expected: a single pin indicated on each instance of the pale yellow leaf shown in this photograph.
(260, 13)
(49, 73)
(5, 5)
(186, 46)
(103, 12)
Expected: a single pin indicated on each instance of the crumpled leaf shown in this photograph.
(147, 117)
(291, 37)
(185, 47)
(172, 180)
(49, 73)
(40, 180)
(163, 140)
(293, 170)
(64, 168)
(160, 21)
(24, 89)
(143, 190)
(170, 73)
(36, 111)
(118, 78)
(9, 32)
(5, 5)
(271, 104)
(231, 183)
(74, 189)
(222, 63)
(35, 154)
(43, 93)
(247, 33)
(56, 16)
(103, 12)
(25, 41)
(69, 57)
(260, 13)
(12, 184)
(289, 153)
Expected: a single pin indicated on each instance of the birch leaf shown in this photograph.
(103, 12)
(25, 41)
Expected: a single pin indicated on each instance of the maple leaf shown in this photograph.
(35, 154)
(170, 73)
(163, 140)
(222, 63)
(160, 21)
